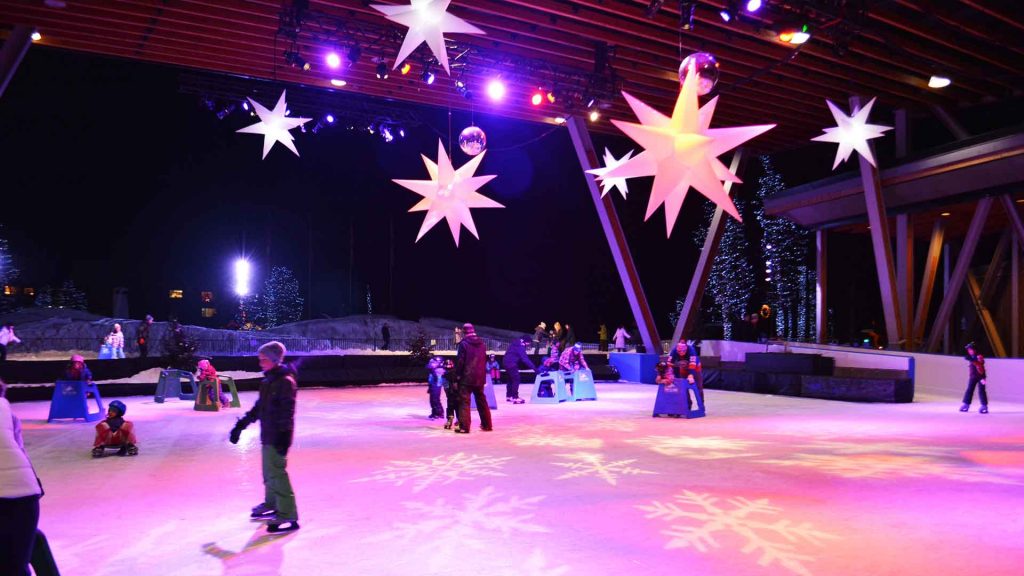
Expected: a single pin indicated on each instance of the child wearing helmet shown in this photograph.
(493, 369)
(435, 383)
(115, 432)
(572, 359)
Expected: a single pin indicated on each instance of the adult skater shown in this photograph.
(385, 334)
(20, 491)
(540, 334)
(7, 338)
(975, 377)
(620, 338)
(142, 336)
(514, 357)
(275, 409)
(471, 373)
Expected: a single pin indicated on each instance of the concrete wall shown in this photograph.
(935, 375)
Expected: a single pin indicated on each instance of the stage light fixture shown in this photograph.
(329, 118)
(36, 36)
(401, 132)
(538, 98)
(559, 119)
(594, 115)
(332, 60)
(382, 71)
(405, 68)
(551, 96)
(293, 59)
(245, 105)
(385, 133)
(653, 7)
(795, 35)
(496, 89)
(428, 76)
(686, 12)
(939, 82)
(338, 82)
(753, 5)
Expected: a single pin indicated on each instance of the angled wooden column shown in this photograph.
(880, 242)
(947, 271)
(821, 286)
(982, 293)
(695, 293)
(1015, 298)
(905, 276)
(1011, 212)
(616, 238)
(13, 51)
(956, 281)
(931, 268)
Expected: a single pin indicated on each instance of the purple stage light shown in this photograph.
(496, 89)
(753, 5)
(329, 118)
(333, 60)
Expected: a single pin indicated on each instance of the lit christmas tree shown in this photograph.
(8, 273)
(419, 348)
(44, 297)
(784, 246)
(280, 302)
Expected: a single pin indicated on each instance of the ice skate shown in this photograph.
(262, 511)
(983, 409)
(277, 525)
(965, 407)
(448, 424)
(132, 450)
(519, 401)
(97, 452)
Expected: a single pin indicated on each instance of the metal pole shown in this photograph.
(821, 297)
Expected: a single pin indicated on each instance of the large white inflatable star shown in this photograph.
(609, 184)
(682, 152)
(450, 193)
(427, 20)
(274, 125)
(852, 133)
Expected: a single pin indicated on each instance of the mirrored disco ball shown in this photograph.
(706, 67)
(473, 141)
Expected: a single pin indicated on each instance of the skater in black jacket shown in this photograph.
(514, 357)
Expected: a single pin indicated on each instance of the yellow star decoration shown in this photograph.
(427, 21)
(274, 125)
(682, 152)
(450, 193)
(852, 133)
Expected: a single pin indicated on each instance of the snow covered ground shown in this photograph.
(763, 486)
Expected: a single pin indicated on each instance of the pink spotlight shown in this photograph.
(496, 89)
(333, 60)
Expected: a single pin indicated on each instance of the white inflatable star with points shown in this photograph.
(427, 21)
(609, 184)
(274, 125)
(852, 133)
(450, 193)
(682, 152)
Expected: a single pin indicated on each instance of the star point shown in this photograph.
(449, 194)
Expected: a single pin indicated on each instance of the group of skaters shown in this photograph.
(463, 381)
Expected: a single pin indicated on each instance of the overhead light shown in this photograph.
(405, 68)
(36, 36)
(329, 118)
(496, 89)
(725, 14)
(594, 115)
(293, 59)
(939, 82)
(332, 60)
(401, 132)
(560, 120)
(551, 96)
(382, 71)
(795, 36)
(428, 76)
(944, 214)
(753, 5)
(538, 97)
(338, 82)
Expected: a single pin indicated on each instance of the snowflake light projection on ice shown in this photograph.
(699, 521)
(439, 470)
(274, 125)
(706, 448)
(450, 193)
(427, 20)
(562, 441)
(609, 184)
(885, 466)
(682, 151)
(443, 530)
(586, 464)
(852, 133)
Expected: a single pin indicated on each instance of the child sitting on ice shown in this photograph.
(115, 432)
(435, 383)
(205, 372)
(493, 369)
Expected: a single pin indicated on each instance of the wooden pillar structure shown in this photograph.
(905, 277)
(821, 286)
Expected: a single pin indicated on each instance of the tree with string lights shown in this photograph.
(280, 302)
(7, 274)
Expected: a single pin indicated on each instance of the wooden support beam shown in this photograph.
(949, 122)
(821, 286)
(947, 271)
(880, 242)
(13, 50)
(931, 268)
(616, 237)
(981, 295)
(1015, 298)
(991, 333)
(963, 263)
(905, 276)
(1011, 212)
(695, 293)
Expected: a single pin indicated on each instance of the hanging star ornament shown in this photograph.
(427, 20)
(681, 152)
(609, 184)
(450, 193)
(852, 133)
(274, 125)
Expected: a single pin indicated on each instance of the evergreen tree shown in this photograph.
(44, 297)
(8, 273)
(785, 246)
(280, 302)
(419, 348)
(731, 281)
(71, 297)
(180, 349)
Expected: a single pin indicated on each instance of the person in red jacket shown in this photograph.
(471, 375)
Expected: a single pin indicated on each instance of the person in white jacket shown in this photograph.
(620, 338)
(20, 491)
(7, 337)
(116, 341)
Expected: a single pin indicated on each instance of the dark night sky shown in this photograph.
(114, 178)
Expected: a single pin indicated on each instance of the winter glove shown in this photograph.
(283, 441)
(236, 432)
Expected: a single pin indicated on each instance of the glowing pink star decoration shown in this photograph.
(609, 184)
(852, 133)
(682, 151)
(274, 125)
(427, 21)
(450, 193)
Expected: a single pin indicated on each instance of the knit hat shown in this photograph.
(274, 351)
(468, 329)
(77, 358)
(543, 325)
(578, 346)
(119, 407)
